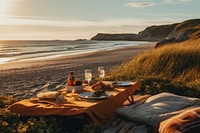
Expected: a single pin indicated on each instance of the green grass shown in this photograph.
(178, 65)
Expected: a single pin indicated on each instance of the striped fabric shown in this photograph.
(186, 122)
(120, 125)
(157, 108)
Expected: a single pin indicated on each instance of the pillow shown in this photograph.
(187, 122)
(157, 108)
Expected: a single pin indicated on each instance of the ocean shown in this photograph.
(14, 51)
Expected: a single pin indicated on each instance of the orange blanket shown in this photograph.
(98, 110)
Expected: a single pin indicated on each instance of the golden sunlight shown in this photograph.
(3, 60)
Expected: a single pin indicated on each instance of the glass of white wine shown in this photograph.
(88, 75)
(101, 72)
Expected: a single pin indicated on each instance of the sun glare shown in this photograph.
(3, 6)
(3, 60)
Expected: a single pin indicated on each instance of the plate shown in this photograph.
(122, 83)
(88, 95)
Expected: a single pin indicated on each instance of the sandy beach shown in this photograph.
(28, 78)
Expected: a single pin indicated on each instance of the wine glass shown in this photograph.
(88, 75)
(101, 72)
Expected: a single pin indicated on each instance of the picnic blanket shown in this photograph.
(98, 110)
(118, 124)
(158, 108)
(168, 113)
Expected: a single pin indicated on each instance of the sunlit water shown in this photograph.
(12, 51)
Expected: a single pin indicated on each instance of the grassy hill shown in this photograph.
(176, 65)
(189, 29)
(156, 33)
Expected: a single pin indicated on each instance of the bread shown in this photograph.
(48, 95)
(101, 86)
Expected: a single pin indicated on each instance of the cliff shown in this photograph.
(118, 37)
(156, 33)
(189, 29)
(186, 30)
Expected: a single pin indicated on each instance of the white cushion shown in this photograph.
(157, 108)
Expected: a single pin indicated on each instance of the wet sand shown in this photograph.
(27, 78)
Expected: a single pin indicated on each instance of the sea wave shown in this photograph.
(20, 50)
(36, 52)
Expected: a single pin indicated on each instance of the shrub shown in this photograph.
(6, 100)
(154, 86)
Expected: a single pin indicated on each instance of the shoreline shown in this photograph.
(38, 62)
(34, 62)
(27, 78)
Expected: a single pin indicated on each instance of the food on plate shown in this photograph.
(101, 86)
(114, 83)
(93, 81)
(99, 93)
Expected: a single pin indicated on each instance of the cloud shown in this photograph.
(42, 21)
(73, 23)
(30, 27)
(140, 4)
(177, 1)
(147, 4)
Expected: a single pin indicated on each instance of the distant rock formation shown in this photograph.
(117, 37)
(156, 33)
(81, 40)
(189, 29)
(152, 33)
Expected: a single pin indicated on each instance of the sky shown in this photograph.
(83, 19)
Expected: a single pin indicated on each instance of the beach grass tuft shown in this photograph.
(175, 64)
